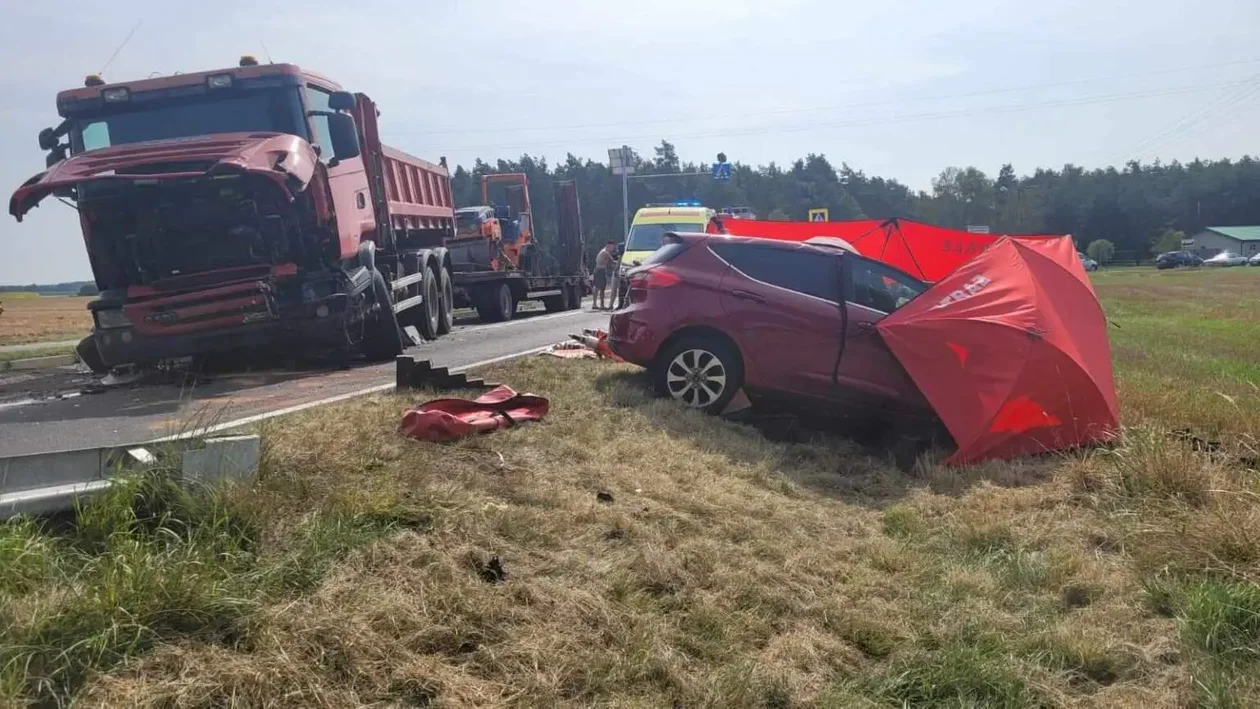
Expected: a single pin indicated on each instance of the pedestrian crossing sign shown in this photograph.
(818, 215)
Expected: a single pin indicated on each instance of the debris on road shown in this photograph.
(591, 344)
(443, 420)
(493, 571)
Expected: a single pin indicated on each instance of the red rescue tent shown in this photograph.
(927, 252)
(1011, 350)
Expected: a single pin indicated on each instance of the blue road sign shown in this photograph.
(721, 171)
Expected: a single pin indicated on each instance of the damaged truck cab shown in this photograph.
(247, 208)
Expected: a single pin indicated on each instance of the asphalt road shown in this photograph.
(45, 411)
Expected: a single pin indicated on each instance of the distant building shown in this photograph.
(1212, 240)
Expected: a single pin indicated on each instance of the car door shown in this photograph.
(783, 306)
(868, 372)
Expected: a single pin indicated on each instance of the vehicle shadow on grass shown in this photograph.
(827, 455)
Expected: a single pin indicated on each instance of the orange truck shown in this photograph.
(256, 207)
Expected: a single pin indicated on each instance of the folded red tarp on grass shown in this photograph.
(927, 252)
(1011, 350)
(443, 420)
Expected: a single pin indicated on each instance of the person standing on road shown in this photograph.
(604, 263)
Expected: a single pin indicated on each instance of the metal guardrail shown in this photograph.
(42, 483)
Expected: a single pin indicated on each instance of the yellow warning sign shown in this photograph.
(818, 215)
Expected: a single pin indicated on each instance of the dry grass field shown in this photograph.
(42, 318)
(720, 569)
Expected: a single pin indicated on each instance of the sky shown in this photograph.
(900, 88)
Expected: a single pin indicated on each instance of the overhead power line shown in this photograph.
(1231, 98)
(872, 120)
(833, 107)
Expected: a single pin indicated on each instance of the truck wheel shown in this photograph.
(557, 303)
(446, 312)
(427, 315)
(575, 296)
(498, 305)
(382, 339)
(90, 355)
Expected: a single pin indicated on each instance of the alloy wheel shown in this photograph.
(696, 377)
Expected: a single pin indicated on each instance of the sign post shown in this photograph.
(622, 162)
(819, 215)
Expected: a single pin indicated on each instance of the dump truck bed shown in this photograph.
(408, 193)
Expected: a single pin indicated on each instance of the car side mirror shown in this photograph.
(47, 139)
(341, 101)
(343, 136)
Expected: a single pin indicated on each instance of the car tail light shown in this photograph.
(645, 280)
(654, 278)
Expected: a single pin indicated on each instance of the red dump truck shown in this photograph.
(255, 207)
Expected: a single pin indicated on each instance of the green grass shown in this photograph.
(10, 355)
(727, 570)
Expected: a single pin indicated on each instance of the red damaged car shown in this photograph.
(708, 314)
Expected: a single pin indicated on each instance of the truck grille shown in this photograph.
(227, 306)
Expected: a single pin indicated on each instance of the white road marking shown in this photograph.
(237, 423)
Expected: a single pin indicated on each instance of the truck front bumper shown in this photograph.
(313, 323)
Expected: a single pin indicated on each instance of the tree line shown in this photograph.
(1140, 209)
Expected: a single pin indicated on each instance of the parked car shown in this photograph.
(1088, 263)
(739, 213)
(1226, 258)
(1176, 259)
(1254, 260)
(789, 322)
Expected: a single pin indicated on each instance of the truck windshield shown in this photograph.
(261, 110)
(647, 237)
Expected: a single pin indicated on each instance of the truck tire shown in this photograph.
(557, 303)
(428, 314)
(382, 340)
(575, 296)
(446, 313)
(496, 304)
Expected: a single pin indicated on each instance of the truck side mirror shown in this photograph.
(341, 101)
(502, 212)
(343, 135)
(47, 139)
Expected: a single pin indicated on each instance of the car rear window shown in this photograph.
(670, 248)
(797, 270)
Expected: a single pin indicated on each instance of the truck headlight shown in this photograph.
(109, 319)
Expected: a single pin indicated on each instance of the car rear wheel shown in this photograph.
(700, 373)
